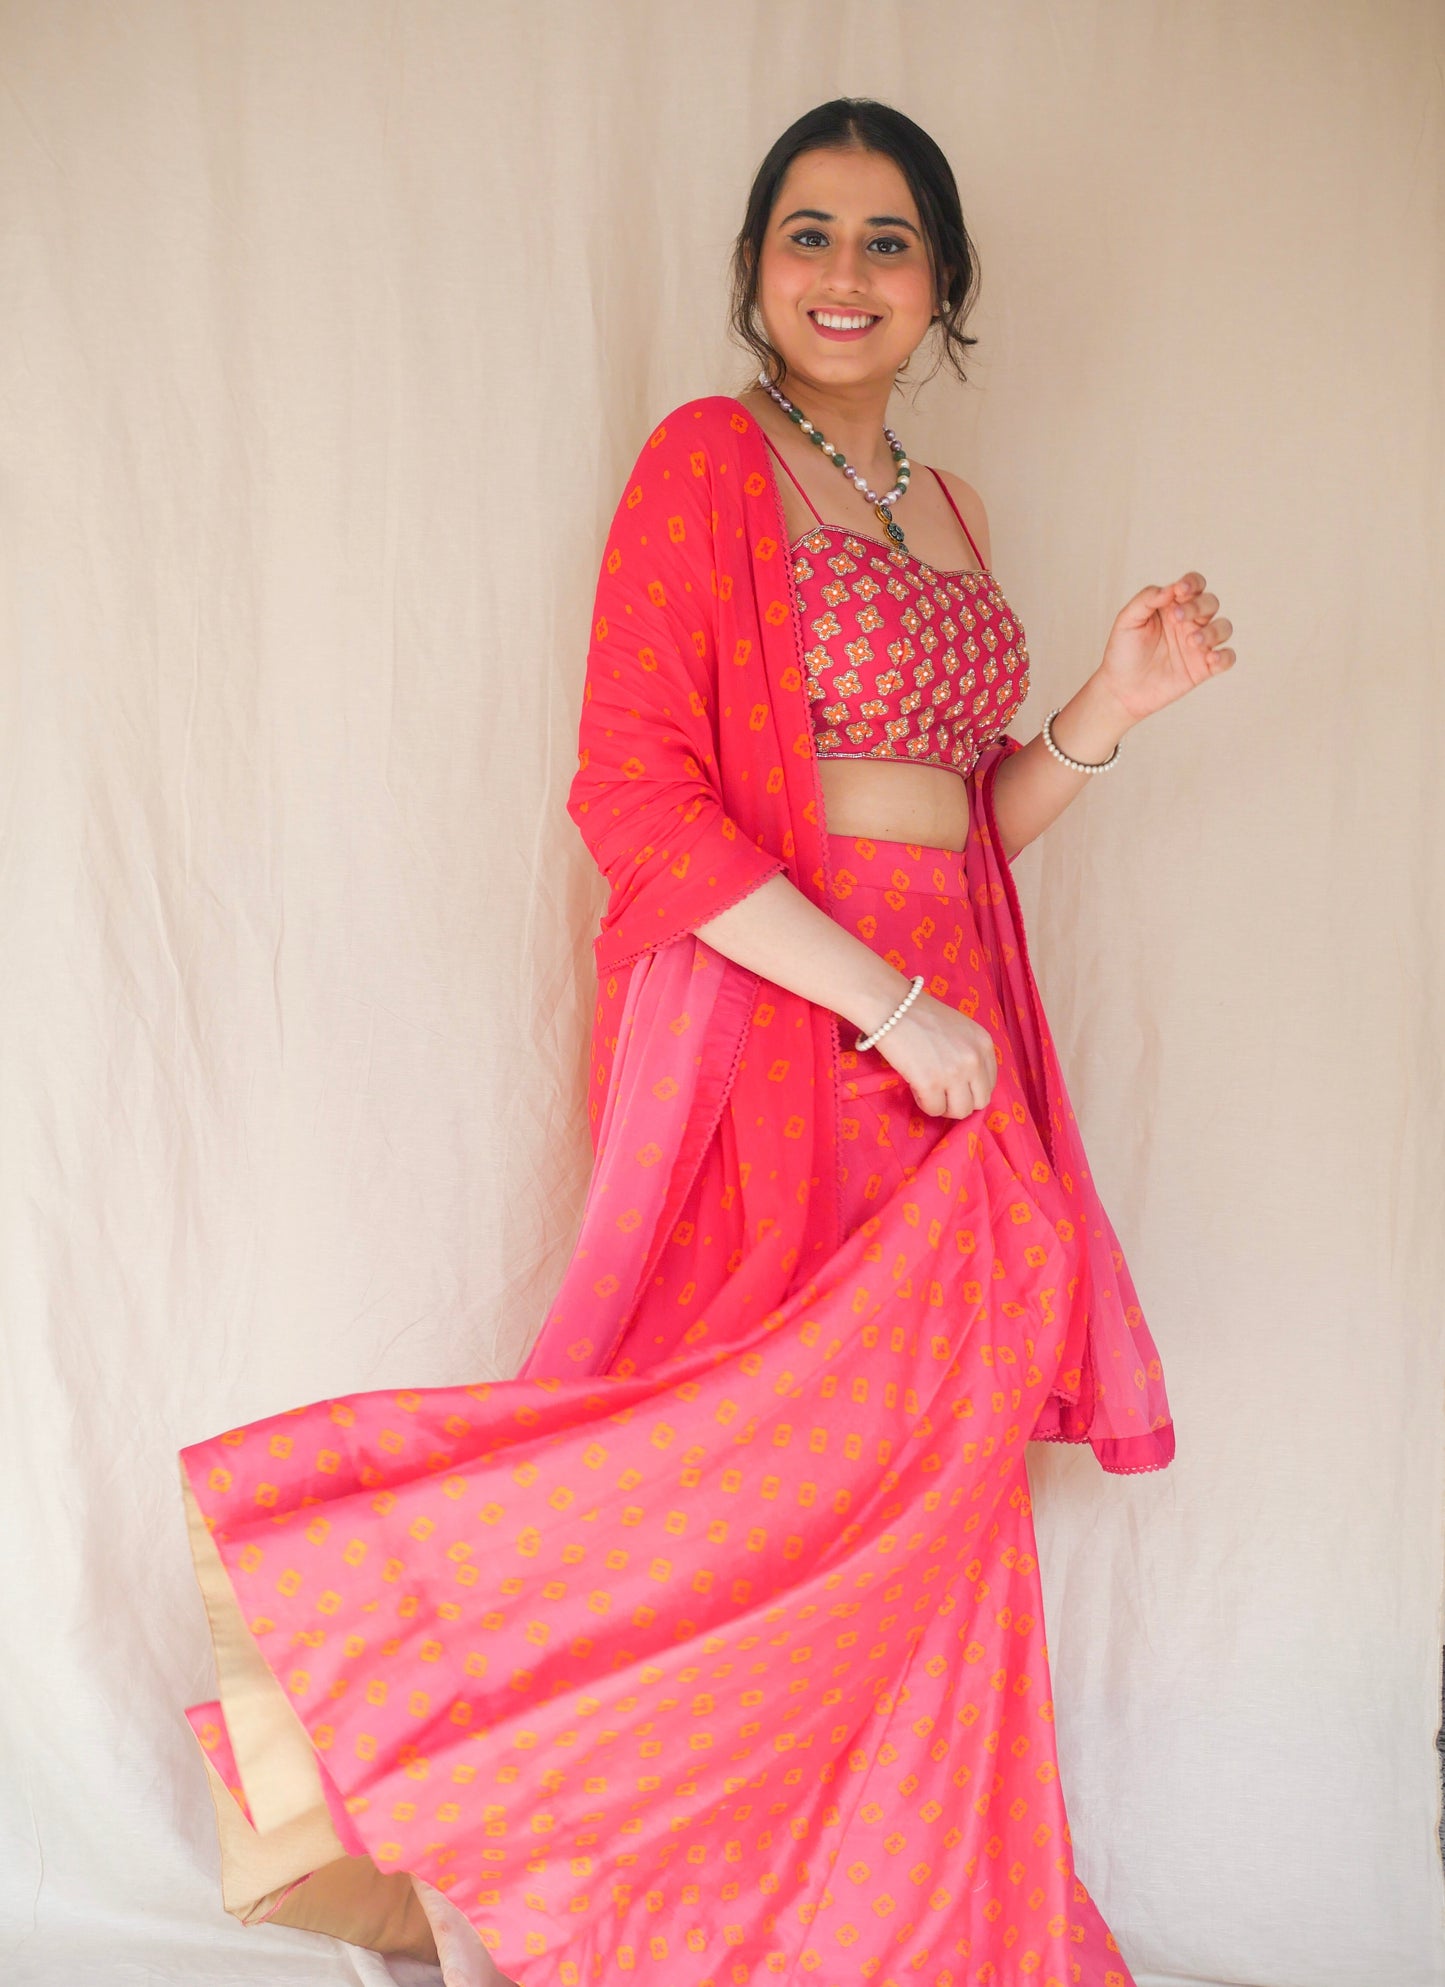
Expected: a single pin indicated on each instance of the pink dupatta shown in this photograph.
(697, 780)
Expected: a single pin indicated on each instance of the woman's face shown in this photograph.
(844, 240)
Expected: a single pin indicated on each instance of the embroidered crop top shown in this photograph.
(903, 661)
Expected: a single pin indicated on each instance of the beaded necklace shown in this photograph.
(881, 502)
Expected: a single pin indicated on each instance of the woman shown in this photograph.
(711, 1648)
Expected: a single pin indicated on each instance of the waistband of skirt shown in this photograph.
(868, 862)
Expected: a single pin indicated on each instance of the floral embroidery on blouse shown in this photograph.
(904, 661)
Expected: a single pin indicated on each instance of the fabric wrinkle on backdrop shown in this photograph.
(312, 432)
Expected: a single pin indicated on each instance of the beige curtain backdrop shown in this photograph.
(329, 331)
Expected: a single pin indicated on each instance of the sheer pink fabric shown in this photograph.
(697, 780)
(711, 1647)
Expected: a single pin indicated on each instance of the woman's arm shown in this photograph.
(1031, 788)
(1164, 642)
(948, 1060)
(776, 931)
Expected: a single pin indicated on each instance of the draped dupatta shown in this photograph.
(376, 1625)
(697, 781)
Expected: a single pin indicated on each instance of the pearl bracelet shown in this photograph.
(1074, 765)
(867, 1041)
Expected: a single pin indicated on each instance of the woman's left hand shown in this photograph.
(1164, 643)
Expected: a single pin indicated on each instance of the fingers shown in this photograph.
(960, 1097)
(1194, 604)
(1193, 629)
(1206, 643)
(975, 1098)
(981, 1087)
(1200, 608)
(1147, 602)
(1183, 600)
(964, 1070)
(1180, 598)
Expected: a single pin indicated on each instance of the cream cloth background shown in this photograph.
(330, 332)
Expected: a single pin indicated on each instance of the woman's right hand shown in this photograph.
(947, 1060)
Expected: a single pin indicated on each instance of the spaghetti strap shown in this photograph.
(797, 485)
(959, 515)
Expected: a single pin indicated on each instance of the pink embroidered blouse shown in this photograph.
(904, 661)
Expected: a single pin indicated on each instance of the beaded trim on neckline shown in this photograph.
(896, 551)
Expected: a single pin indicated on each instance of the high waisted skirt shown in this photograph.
(714, 1672)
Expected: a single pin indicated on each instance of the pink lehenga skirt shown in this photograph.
(714, 1669)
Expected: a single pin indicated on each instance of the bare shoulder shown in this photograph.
(975, 515)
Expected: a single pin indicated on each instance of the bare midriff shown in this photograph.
(891, 801)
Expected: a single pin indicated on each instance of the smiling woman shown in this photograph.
(854, 211)
(711, 1648)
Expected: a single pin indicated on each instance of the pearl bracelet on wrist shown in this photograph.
(1074, 765)
(867, 1041)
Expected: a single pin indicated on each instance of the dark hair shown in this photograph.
(860, 123)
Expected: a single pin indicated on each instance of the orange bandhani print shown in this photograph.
(709, 1650)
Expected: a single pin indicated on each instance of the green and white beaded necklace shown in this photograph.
(881, 502)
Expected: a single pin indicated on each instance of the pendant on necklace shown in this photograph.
(900, 459)
(895, 531)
